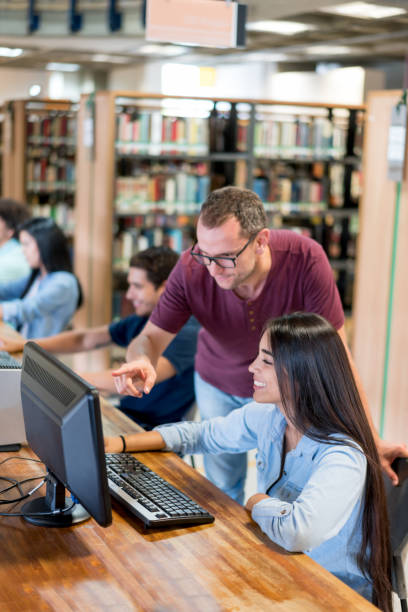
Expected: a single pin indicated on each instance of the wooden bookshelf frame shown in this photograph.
(15, 142)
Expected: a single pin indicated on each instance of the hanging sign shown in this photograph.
(208, 23)
(396, 142)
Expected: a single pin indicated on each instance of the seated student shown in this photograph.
(13, 264)
(319, 476)
(42, 303)
(169, 400)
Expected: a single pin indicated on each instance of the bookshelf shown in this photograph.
(39, 157)
(381, 291)
(146, 162)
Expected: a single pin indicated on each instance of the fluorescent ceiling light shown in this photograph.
(329, 50)
(167, 50)
(113, 59)
(364, 10)
(279, 27)
(62, 67)
(263, 56)
(9, 52)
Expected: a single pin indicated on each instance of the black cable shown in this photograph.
(21, 459)
(23, 495)
(18, 485)
(50, 513)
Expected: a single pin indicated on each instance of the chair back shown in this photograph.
(397, 503)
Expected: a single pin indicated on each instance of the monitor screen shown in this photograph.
(63, 426)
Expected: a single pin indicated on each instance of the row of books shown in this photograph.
(152, 133)
(57, 128)
(300, 137)
(41, 175)
(290, 190)
(228, 132)
(338, 237)
(62, 214)
(287, 185)
(133, 192)
(134, 240)
(338, 182)
(155, 219)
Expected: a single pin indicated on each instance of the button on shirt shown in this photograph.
(315, 507)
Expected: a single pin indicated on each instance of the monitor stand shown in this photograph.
(10, 448)
(40, 508)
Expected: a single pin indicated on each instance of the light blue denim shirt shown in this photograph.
(45, 313)
(316, 507)
(13, 264)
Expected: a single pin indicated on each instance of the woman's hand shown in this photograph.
(11, 346)
(254, 499)
(135, 378)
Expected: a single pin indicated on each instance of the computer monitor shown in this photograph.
(63, 426)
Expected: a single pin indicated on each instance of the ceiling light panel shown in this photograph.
(287, 28)
(62, 67)
(364, 10)
(112, 59)
(329, 50)
(10, 52)
(167, 50)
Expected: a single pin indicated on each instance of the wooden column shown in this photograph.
(14, 151)
(94, 216)
(372, 288)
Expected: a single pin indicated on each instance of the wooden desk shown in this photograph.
(228, 565)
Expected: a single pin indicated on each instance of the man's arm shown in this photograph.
(388, 451)
(65, 342)
(139, 375)
(104, 381)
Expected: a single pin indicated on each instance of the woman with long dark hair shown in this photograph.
(319, 476)
(43, 303)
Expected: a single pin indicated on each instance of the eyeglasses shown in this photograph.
(222, 262)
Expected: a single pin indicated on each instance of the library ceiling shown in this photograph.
(320, 31)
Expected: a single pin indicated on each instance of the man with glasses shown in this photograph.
(237, 276)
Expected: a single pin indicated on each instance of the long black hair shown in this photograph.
(53, 247)
(320, 398)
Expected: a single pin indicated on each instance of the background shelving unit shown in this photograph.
(145, 163)
(39, 157)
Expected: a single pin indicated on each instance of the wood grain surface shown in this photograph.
(228, 565)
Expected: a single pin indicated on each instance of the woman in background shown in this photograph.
(13, 264)
(319, 477)
(43, 303)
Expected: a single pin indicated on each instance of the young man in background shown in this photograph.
(174, 394)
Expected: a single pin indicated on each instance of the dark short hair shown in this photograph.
(157, 262)
(13, 213)
(52, 245)
(227, 202)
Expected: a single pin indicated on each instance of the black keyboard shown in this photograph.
(7, 362)
(151, 498)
